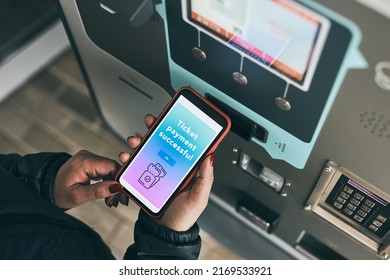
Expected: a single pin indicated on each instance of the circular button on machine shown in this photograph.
(198, 53)
(240, 78)
(283, 104)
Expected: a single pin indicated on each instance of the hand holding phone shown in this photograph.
(186, 131)
(190, 203)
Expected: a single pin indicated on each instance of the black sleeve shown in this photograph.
(37, 170)
(153, 241)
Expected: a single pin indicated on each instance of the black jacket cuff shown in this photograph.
(153, 241)
(37, 170)
(47, 188)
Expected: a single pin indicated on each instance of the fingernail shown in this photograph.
(114, 188)
(212, 160)
(110, 201)
(116, 203)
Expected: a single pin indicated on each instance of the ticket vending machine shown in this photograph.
(304, 172)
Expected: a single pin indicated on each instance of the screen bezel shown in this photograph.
(206, 107)
(316, 50)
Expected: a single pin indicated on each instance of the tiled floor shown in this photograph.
(53, 112)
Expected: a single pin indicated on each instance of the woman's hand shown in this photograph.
(72, 185)
(186, 207)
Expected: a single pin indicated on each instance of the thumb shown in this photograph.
(100, 190)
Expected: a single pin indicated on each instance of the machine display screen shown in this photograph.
(280, 35)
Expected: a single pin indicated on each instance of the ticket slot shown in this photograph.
(312, 248)
(257, 213)
(261, 172)
(241, 125)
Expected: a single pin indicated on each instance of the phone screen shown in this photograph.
(169, 154)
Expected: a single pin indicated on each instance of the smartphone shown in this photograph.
(188, 129)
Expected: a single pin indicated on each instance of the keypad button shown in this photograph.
(373, 228)
(369, 203)
(344, 195)
(347, 211)
(341, 200)
(337, 205)
(358, 218)
(366, 208)
(361, 213)
(381, 218)
(358, 196)
(351, 207)
(348, 190)
(377, 223)
(355, 201)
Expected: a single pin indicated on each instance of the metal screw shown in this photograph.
(235, 150)
(234, 162)
(328, 169)
(283, 194)
(308, 207)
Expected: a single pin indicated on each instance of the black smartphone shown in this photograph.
(188, 129)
